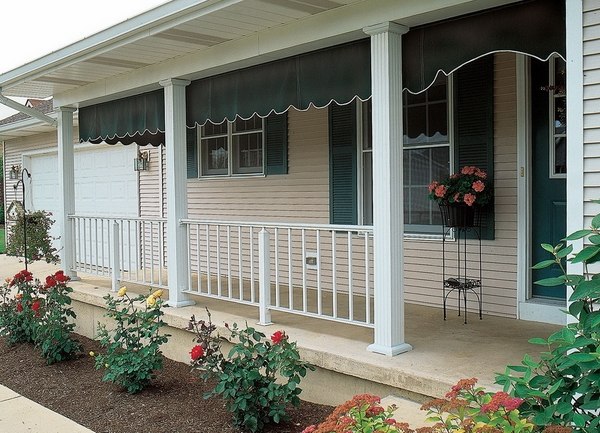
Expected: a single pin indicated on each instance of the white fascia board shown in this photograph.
(335, 26)
(154, 21)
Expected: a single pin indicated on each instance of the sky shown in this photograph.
(31, 29)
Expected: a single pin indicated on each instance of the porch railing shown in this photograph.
(134, 247)
(322, 271)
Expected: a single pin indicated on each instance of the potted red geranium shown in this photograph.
(460, 194)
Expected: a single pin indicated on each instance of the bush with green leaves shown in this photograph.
(563, 386)
(39, 241)
(133, 354)
(20, 308)
(54, 333)
(258, 378)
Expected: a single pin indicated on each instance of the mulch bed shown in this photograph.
(173, 404)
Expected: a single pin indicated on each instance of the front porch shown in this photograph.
(444, 351)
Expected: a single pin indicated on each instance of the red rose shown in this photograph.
(278, 337)
(61, 277)
(19, 307)
(50, 281)
(36, 305)
(197, 352)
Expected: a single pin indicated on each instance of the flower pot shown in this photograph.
(458, 215)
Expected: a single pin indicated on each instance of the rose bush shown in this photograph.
(133, 353)
(20, 308)
(247, 377)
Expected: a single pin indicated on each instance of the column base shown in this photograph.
(180, 304)
(389, 351)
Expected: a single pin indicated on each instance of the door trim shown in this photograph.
(528, 308)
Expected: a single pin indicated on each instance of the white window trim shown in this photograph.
(551, 112)
(230, 155)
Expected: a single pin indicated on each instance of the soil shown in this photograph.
(172, 404)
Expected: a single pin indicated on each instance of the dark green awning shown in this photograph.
(339, 73)
(135, 119)
(536, 28)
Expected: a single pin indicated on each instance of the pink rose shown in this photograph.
(469, 199)
(433, 185)
(468, 169)
(440, 191)
(480, 173)
(478, 186)
(457, 197)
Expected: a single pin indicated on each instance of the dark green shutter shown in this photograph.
(276, 144)
(192, 153)
(342, 164)
(474, 124)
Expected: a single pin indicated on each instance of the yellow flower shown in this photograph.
(92, 354)
(151, 301)
(158, 293)
(105, 365)
(122, 291)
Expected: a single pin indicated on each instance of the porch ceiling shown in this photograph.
(183, 36)
(169, 31)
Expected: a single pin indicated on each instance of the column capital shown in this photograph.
(65, 109)
(386, 27)
(174, 82)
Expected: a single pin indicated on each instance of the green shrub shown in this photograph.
(247, 378)
(39, 241)
(563, 386)
(133, 347)
(53, 335)
(20, 313)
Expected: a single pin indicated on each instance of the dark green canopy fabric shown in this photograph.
(339, 73)
(135, 119)
(535, 27)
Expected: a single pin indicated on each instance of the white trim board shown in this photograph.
(539, 311)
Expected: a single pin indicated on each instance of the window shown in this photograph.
(558, 118)
(426, 153)
(426, 156)
(232, 148)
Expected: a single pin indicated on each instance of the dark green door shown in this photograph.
(548, 189)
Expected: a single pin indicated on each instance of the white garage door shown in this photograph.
(105, 183)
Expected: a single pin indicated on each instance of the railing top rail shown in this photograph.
(119, 218)
(282, 225)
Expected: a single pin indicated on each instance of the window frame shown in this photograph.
(552, 135)
(232, 156)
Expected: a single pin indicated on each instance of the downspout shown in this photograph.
(27, 110)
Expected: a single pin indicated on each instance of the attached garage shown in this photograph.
(105, 182)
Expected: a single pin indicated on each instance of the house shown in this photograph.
(286, 146)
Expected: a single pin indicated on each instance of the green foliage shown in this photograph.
(563, 386)
(19, 314)
(133, 347)
(53, 336)
(247, 378)
(39, 241)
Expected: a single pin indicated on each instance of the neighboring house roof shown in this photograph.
(44, 106)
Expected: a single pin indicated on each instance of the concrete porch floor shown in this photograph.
(444, 351)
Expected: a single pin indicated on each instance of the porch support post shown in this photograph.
(388, 215)
(175, 138)
(66, 188)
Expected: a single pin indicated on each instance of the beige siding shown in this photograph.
(591, 106)
(302, 195)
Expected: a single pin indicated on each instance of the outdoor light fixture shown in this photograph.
(142, 162)
(15, 170)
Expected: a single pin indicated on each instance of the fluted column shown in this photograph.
(175, 147)
(388, 215)
(66, 188)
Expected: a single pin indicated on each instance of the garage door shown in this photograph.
(105, 185)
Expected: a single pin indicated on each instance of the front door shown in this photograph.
(549, 169)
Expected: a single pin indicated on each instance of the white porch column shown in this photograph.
(388, 215)
(66, 188)
(175, 138)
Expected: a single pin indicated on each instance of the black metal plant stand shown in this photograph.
(467, 276)
(21, 182)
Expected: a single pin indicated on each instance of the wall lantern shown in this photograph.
(142, 162)
(14, 172)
